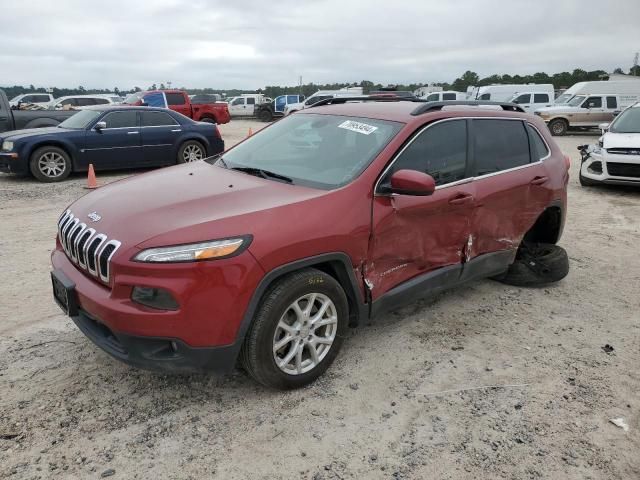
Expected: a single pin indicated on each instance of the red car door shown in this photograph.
(179, 102)
(415, 235)
(509, 183)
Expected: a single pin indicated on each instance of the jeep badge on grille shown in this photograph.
(94, 216)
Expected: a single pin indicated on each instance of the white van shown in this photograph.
(503, 93)
(531, 101)
(323, 95)
(621, 88)
(444, 95)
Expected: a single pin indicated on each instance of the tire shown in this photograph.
(558, 127)
(191, 151)
(276, 320)
(209, 120)
(586, 182)
(535, 265)
(50, 164)
(265, 115)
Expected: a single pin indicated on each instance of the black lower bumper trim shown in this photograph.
(166, 355)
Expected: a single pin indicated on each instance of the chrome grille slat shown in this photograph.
(84, 246)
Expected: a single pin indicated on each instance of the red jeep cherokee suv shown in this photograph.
(271, 250)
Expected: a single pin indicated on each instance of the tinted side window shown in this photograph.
(540, 148)
(449, 96)
(593, 102)
(612, 102)
(540, 98)
(175, 98)
(85, 102)
(432, 97)
(524, 98)
(485, 96)
(251, 101)
(238, 101)
(100, 101)
(440, 151)
(292, 99)
(157, 119)
(69, 101)
(121, 119)
(499, 145)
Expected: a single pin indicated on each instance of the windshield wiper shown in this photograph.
(258, 172)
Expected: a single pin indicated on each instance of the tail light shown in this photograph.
(216, 132)
(567, 161)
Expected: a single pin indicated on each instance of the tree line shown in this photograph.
(559, 80)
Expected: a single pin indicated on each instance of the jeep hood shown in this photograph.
(187, 203)
(621, 140)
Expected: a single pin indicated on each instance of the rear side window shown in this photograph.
(440, 151)
(175, 98)
(540, 149)
(251, 101)
(612, 102)
(449, 96)
(499, 145)
(540, 98)
(157, 119)
(292, 99)
(121, 119)
(100, 101)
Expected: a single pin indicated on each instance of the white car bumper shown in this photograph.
(612, 168)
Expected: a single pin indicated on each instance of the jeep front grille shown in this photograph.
(624, 169)
(624, 151)
(89, 250)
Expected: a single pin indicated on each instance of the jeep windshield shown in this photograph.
(80, 120)
(627, 122)
(320, 151)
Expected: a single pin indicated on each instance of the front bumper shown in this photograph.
(203, 334)
(166, 355)
(611, 169)
(10, 162)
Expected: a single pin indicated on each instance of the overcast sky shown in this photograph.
(252, 43)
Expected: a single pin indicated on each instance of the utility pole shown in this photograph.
(300, 85)
(168, 84)
(635, 64)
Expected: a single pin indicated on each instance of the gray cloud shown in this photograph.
(254, 43)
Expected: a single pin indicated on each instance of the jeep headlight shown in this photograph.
(7, 146)
(194, 252)
(596, 149)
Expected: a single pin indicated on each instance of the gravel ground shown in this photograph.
(406, 399)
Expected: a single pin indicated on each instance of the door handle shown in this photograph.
(539, 180)
(132, 133)
(176, 130)
(461, 199)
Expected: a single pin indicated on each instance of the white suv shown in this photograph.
(616, 158)
(37, 98)
(80, 102)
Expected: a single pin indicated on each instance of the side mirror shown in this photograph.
(100, 126)
(412, 182)
(616, 113)
(604, 127)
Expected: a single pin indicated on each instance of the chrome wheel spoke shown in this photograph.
(324, 322)
(292, 353)
(283, 342)
(299, 351)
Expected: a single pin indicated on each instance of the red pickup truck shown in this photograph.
(179, 101)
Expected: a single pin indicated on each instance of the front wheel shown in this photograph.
(536, 264)
(50, 164)
(298, 330)
(191, 151)
(558, 127)
(209, 120)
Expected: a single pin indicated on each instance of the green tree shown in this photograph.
(467, 79)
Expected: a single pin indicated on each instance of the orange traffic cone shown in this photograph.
(250, 132)
(91, 178)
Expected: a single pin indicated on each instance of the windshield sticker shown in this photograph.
(358, 127)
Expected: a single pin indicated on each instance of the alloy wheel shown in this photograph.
(51, 164)
(192, 153)
(305, 333)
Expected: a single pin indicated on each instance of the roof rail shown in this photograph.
(432, 106)
(384, 97)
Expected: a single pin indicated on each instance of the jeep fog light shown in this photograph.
(195, 251)
(154, 298)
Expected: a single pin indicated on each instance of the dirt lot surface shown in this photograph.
(406, 399)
